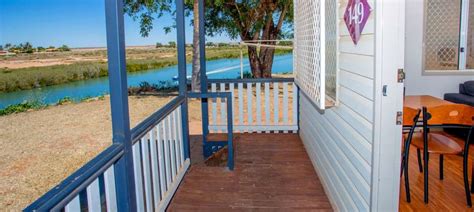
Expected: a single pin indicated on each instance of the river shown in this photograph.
(217, 69)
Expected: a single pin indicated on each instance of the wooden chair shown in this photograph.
(435, 141)
(410, 119)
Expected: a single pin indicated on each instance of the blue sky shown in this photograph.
(77, 23)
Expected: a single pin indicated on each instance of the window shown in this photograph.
(315, 50)
(449, 35)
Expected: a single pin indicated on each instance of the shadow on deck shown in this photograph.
(272, 171)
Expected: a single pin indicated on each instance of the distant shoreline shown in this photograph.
(80, 65)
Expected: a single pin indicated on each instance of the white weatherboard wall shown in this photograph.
(339, 141)
(416, 83)
(355, 146)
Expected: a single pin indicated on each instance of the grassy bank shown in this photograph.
(137, 60)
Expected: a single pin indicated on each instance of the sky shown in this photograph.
(76, 23)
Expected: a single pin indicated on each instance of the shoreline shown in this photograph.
(12, 80)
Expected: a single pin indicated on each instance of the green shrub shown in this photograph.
(22, 107)
(64, 100)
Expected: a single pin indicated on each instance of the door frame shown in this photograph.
(389, 57)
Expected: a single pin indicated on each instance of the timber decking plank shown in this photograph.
(272, 172)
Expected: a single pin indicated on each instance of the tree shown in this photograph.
(64, 48)
(40, 49)
(27, 48)
(1, 48)
(250, 20)
(8, 45)
(158, 45)
(172, 44)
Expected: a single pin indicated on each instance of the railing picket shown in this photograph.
(110, 191)
(93, 196)
(285, 104)
(241, 104)
(176, 140)
(267, 105)
(137, 168)
(161, 160)
(166, 153)
(223, 108)
(276, 103)
(180, 137)
(258, 104)
(172, 147)
(74, 205)
(146, 172)
(154, 169)
(249, 107)
(295, 106)
(213, 108)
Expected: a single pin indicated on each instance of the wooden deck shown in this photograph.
(445, 195)
(272, 171)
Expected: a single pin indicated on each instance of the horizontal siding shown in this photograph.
(339, 140)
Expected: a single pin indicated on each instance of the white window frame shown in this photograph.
(463, 41)
(315, 89)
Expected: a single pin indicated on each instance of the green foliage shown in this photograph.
(1, 48)
(223, 44)
(22, 107)
(172, 44)
(158, 45)
(64, 48)
(146, 87)
(64, 100)
(247, 75)
(244, 18)
(28, 48)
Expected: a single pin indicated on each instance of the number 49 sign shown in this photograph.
(356, 15)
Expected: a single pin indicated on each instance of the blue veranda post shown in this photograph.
(181, 45)
(124, 179)
(202, 69)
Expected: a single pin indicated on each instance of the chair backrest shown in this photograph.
(410, 116)
(453, 114)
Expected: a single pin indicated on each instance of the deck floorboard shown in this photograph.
(272, 171)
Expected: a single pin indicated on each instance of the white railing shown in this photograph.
(259, 105)
(159, 163)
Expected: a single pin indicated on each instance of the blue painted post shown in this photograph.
(204, 85)
(124, 179)
(230, 133)
(183, 87)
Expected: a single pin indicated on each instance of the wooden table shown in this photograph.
(418, 102)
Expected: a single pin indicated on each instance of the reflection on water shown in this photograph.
(217, 69)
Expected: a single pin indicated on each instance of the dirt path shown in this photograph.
(41, 148)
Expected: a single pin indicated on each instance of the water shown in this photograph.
(217, 69)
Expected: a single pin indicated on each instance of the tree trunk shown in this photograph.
(196, 73)
(261, 64)
(254, 62)
(266, 59)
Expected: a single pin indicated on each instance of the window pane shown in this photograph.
(470, 38)
(442, 34)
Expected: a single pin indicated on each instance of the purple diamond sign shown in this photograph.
(356, 15)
